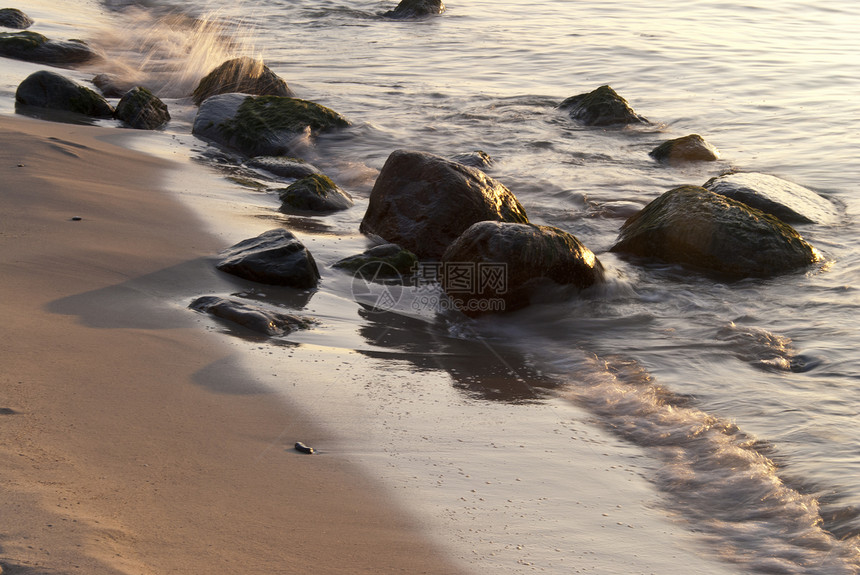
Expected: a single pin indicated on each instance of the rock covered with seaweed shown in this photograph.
(263, 125)
(141, 109)
(601, 107)
(34, 47)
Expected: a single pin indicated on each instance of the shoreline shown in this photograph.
(132, 443)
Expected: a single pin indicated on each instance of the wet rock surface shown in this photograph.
(423, 202)
(46, 89)
(601, 107)
(790, 202)
(141, 109)
(34, 47)
(692, 148)
(701, 229)
(497, 266)
(275, 257)
(314, 193)
(254, 317)
(240, 75)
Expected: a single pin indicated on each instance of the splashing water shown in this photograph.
(169, 52)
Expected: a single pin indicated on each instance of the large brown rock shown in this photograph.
(699, 228)
(497, 266)
(423, 202)
(601, 107)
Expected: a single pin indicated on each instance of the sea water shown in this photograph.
(664, 422)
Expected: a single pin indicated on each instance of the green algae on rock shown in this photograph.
(241, 75)
(316, 193)
(699, 228)
(141, 109)
(262, 125)
(601, 107)
(34, 47)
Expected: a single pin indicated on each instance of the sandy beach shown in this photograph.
(129, 442)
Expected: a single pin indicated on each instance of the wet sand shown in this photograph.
(129, 441)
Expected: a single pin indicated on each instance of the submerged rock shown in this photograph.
(477, 159)
(262, 125)
(497, 266)
(111, 86)
(316, 193)
(790, 202)
(283, 166)
(241, 75)
(416, 9)
(385, 261)
(256, 318)
(46, 89)
(34, 47)
(692, 148)
(601, 107)
(697, 227)
(141, 109)
(14, 18)
(275, 257)
(424, 202)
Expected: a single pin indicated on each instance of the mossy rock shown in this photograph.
(241, 75)
(314, 193)
(34, 47)
(141, 109)
(692, 148)
(416, 9)
(385, 262)
(601, 107)
(14, 18)
(699, 228)
(263, 125)
(46, 89)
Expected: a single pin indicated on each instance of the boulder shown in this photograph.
(416, 9)
(315, 193)
(244, 75)
(601, 107)
(253, 317)
(424, 202)
(497, 266)
(385, 261)
(34, 47)
(45, 89)
(283, 167)
(275, 257)
(785, 200)
(14, 18)
(141, 109)
(699, 228)
(692, 148)
(262, 125)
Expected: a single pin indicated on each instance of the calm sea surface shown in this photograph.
(738, 402)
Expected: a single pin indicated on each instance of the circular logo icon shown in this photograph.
(378, 285)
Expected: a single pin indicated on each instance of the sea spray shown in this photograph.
(169, 51)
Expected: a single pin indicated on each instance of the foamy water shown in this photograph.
(720, 420)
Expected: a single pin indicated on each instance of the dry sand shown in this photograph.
(128, 442)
